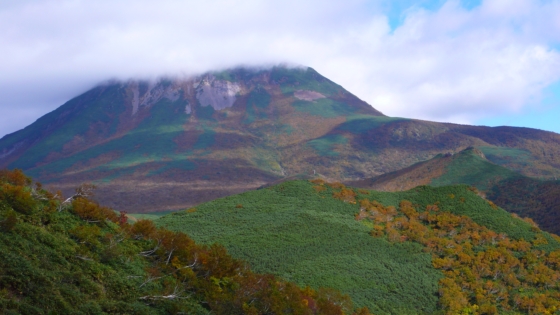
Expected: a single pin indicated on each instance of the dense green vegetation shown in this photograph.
(72, 256)
(313, 239)
(303, 79)
(528, 197)
(469, 168)
(485, 272)
(297, 230)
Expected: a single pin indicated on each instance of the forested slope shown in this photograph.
(423, 251)
(72, 256)
(537, 199)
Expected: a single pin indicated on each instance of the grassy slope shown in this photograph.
(99, 106)
(465, 167)
(525, 196)
(313, 239)
(469, 168)
(151, 142)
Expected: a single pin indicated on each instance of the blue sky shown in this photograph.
(543, 113)
(396, 10)
(489, 62)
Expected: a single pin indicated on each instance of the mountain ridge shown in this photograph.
(519, 194)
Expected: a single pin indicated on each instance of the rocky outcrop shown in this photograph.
(156, 91)
(308, 95)
(216, 93)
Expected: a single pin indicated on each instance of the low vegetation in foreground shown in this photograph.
(72, 256)
(428, 250)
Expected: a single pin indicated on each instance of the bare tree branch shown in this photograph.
(117, 239)
(151, 251)
(169, 256)
(174, 295)
(84, 190)
(150, 279)
(83, 257)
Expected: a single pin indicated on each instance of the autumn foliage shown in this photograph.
(15, 177)
(484, 272)
(340, 191)
(228, 285)
(93, 212)
(157, 269)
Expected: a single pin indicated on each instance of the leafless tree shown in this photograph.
(84, 190)
(175, 295)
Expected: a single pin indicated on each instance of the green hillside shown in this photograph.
(472, 168)
(527, 197)
(293, 232)
(72, 256)
(319, 234)
(522, 195)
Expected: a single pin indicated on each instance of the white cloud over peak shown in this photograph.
(451, 64)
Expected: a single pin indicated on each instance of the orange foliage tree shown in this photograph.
(482, 281)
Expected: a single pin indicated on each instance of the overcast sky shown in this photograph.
(492, 62)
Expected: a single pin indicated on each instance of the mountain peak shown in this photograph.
(221, 90)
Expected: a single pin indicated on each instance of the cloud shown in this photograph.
(456, 65)
(448, 64)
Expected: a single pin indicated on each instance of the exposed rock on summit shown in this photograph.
(216, 93)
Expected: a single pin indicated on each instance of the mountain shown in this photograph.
(525, 196)
(173, 143)
(429, 250)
